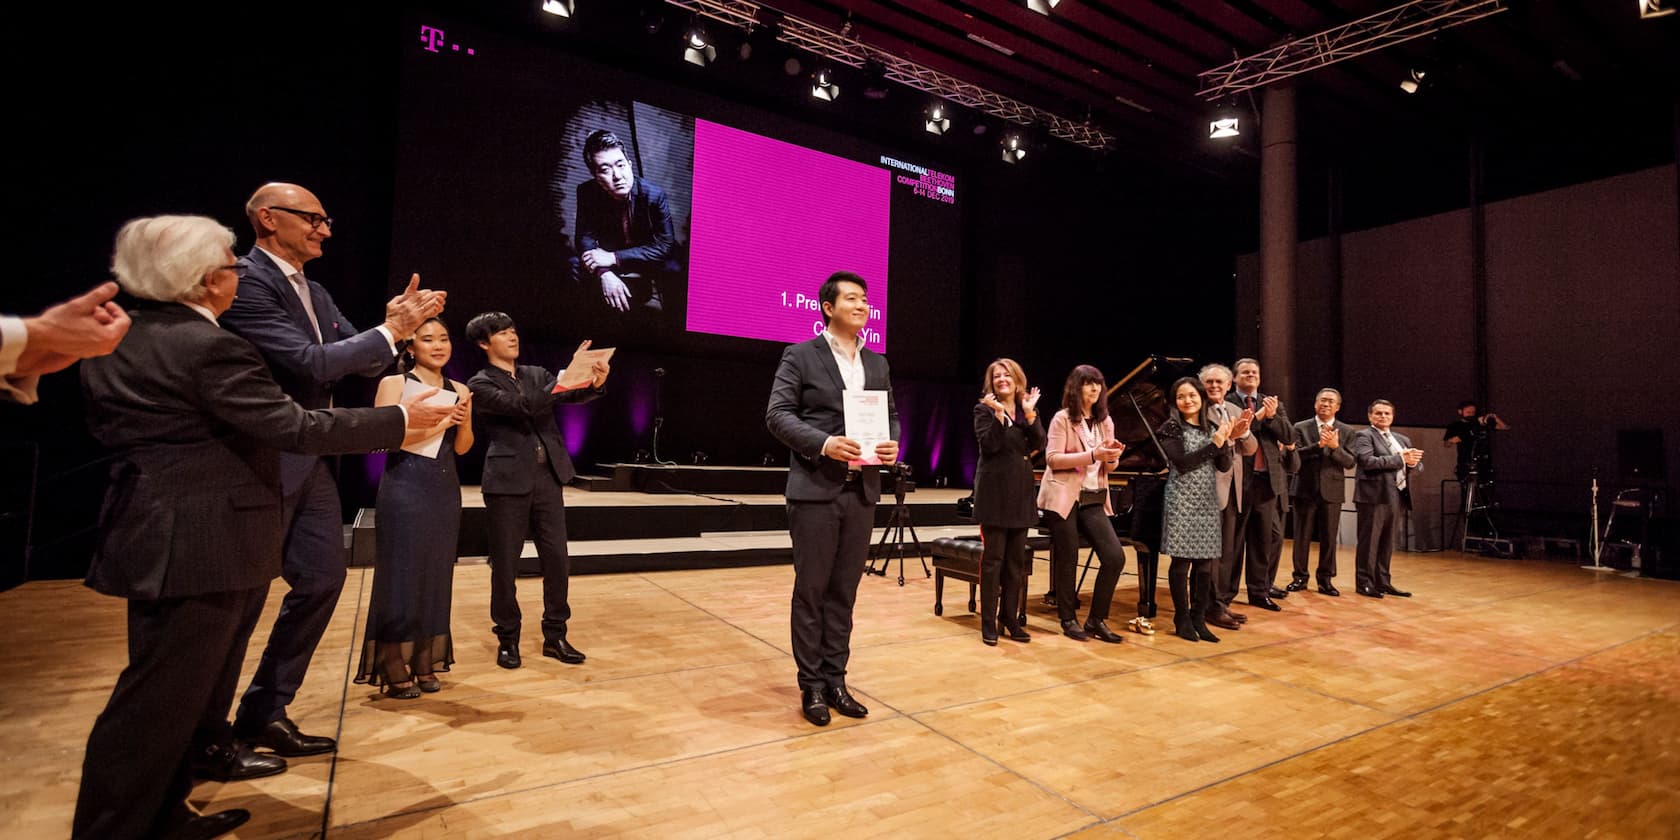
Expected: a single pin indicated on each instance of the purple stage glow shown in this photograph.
(574, 427)
(771, 221)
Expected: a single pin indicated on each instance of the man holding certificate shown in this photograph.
(832, 405)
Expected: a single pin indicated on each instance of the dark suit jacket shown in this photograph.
(269, 314)
(1270, 433)
(1377, 466)
(512, 413)
(806, 407)
(1323, 473)
(653, 233)
(195, 424)
(1005, 494)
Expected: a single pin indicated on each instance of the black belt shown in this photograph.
(853, 475)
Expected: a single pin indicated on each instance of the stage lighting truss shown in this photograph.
(844, 49)
(937, 120)
(560, 8)
(1340, 43)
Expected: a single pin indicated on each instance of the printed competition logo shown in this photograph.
(432, 38)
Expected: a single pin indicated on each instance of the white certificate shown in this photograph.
(445, 396)
(866, 422)
(580, 373)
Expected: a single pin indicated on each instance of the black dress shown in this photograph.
(418, 521)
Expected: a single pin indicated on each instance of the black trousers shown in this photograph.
(313, 567)
(1258, 526)
(1148, 572)
(1379, 526)
(1227, 567)
(541, 514)
(184, 658)
(1003, 569)
(1091, 521)
(1316, 517)
(830, 547)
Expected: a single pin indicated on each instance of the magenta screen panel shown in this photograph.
(771, 221)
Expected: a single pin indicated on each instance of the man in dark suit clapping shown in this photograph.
(526, 467)
(309, 345)
(1382, 494)
(191, 527)
(1265, 485)
(1320, 489)
(831, 504)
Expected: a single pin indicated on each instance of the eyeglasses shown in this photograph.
(315, 220)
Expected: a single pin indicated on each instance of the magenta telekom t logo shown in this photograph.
(431, 37)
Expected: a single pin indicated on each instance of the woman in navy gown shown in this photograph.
(418, 519)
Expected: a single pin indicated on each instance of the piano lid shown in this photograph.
(1139, 403)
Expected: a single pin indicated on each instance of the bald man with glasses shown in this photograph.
(309, 346)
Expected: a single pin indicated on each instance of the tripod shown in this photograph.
(894, 532)
(1480, 501)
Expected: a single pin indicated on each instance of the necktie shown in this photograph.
(1394, 447)
(1260, 453)
(301, 284)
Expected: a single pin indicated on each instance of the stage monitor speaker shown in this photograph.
(1640, 456)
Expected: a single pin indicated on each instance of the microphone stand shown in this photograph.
(659, 414)
(1593, 546)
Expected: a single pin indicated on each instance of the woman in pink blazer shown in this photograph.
(1078, 456)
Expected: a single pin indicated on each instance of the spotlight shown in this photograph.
(1414, 81)
(874, 80)
(823, 86)
(1014, 147)
(560, 8)
(1223, 125)
(1655, 8)
(698, 48)
(936, 121)
(1043, 7)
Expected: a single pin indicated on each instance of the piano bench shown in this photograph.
(959, 557)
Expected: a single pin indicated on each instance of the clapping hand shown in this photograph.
(990, 401)
(1030, 402)
(1329, 438)
(1268, 408)
(406, 312)
(424, 415)
(1412, 457)
(1240, 426)
(1110, 450)
(1227, 429)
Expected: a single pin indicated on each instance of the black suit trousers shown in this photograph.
(830, 547)
(1092, 521)
(1003, 574)
(1227, 569)
(1316, 517)
(1257, 532)
(541, 514)
(184, 658)
(313, 567)
(1379, 525)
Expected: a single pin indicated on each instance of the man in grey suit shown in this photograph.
(1320, 489)
(309, 345)
(1229, 487)
(831, 503)
(1385, 462)
(191, 531)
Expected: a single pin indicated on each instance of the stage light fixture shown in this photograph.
(1223, 125)
(698, 48)
(1655, 8)
(1014, 147)
(560, 8)
(1043, 7)
(936, 121)
(823, 86)
(1413, 81)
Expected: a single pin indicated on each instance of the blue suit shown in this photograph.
(269, 314)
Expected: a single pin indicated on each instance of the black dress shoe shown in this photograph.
(844, 703)
(561, 650)
(1398, 593)
(1265, 604)
(209, 825)
(811, 705)
(1017, 633)
(1277, 593)
(1071, 630)
(1100, 632)
(1241, 619)
(1329, 589)
(283, 738)
(507, 655)
(234, 762)
(1296, 586)
(1369, 592)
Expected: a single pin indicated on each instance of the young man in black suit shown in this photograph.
(1322, 443)
(191, 531)
(831, 505)
(526, 467)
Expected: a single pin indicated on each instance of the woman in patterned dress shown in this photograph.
(1190, 512)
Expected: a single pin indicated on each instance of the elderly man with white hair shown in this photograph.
(191, 526)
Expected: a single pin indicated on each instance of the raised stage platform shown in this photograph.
(1507, 699)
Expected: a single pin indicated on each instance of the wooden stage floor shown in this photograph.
(1508, 698)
